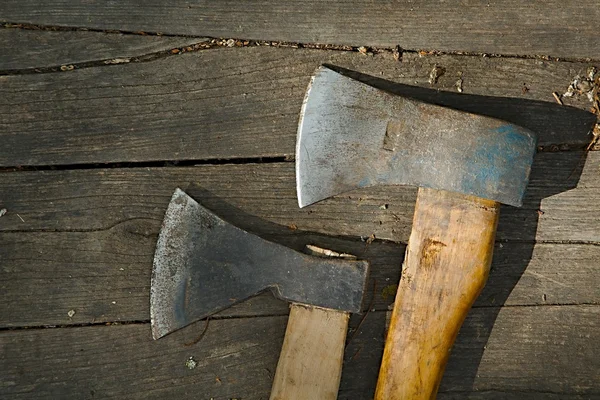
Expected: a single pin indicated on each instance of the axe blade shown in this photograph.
(203, 265)
(353, 135)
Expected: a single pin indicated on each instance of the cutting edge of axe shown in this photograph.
(352, 135)
(203, 264)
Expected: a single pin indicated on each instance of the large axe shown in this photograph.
(352, 135)
(203, 265)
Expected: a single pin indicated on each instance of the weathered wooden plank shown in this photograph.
(30, 49)
(509, 27)
(520, 349)
(99, 199)
(235, 359)
(244, 102)
(104, 275)
(544, 333)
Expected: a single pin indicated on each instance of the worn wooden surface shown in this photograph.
(29, 49)
(536, 27)
(185, 108)
(90, 157)
(101, 198)
(549, 353)
(50, 273)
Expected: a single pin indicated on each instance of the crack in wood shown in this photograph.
(135, 322)
(271, 315)
(150, 164)
(214, 42)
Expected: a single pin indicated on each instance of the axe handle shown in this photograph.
(310, 364)
(446, 266)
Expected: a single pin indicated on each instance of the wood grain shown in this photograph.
(29, 49)
(447, 264)
(310, 363)
(48, 274)
(87, 237)
(508, 27)
(235, 359)
(244, 102)
(553, 210)
(533, 350)
(83, 240)
(547, 361)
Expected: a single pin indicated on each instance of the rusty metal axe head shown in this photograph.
(203, 265)
(352, 135)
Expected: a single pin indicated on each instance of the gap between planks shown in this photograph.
(207, 43)
(219, 42)
(217, 317)
(105, 277)
(557, 212)
(512, 350)
(152, 164)
(250, 97)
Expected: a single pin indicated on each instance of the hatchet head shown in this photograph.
(352, 135)
(203, 265)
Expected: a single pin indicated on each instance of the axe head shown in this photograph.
(203, 265)
(352, 135)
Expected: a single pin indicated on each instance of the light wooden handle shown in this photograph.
(446, 266)
(310, 364)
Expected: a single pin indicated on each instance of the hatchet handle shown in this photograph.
(310, 363)
(446, 266)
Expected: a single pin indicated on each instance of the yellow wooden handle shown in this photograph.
(446, 266)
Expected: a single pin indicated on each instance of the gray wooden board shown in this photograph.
(104, 276)
(81, 240)
(527, 350)
(244, 102)
(509, 27)
(100, 198)
(28, 49)
(557, 346)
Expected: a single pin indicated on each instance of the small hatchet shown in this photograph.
(203, 265)
(352, 135)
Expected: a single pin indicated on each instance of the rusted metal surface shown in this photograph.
(203, 265)
(353, 135)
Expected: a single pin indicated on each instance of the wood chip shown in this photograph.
(319, 251)
(435, 74)
(362, 50)
(397, 53)
(371, 238)
(458, 85)
(118, 61)
(557, 98)
(191, 363)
